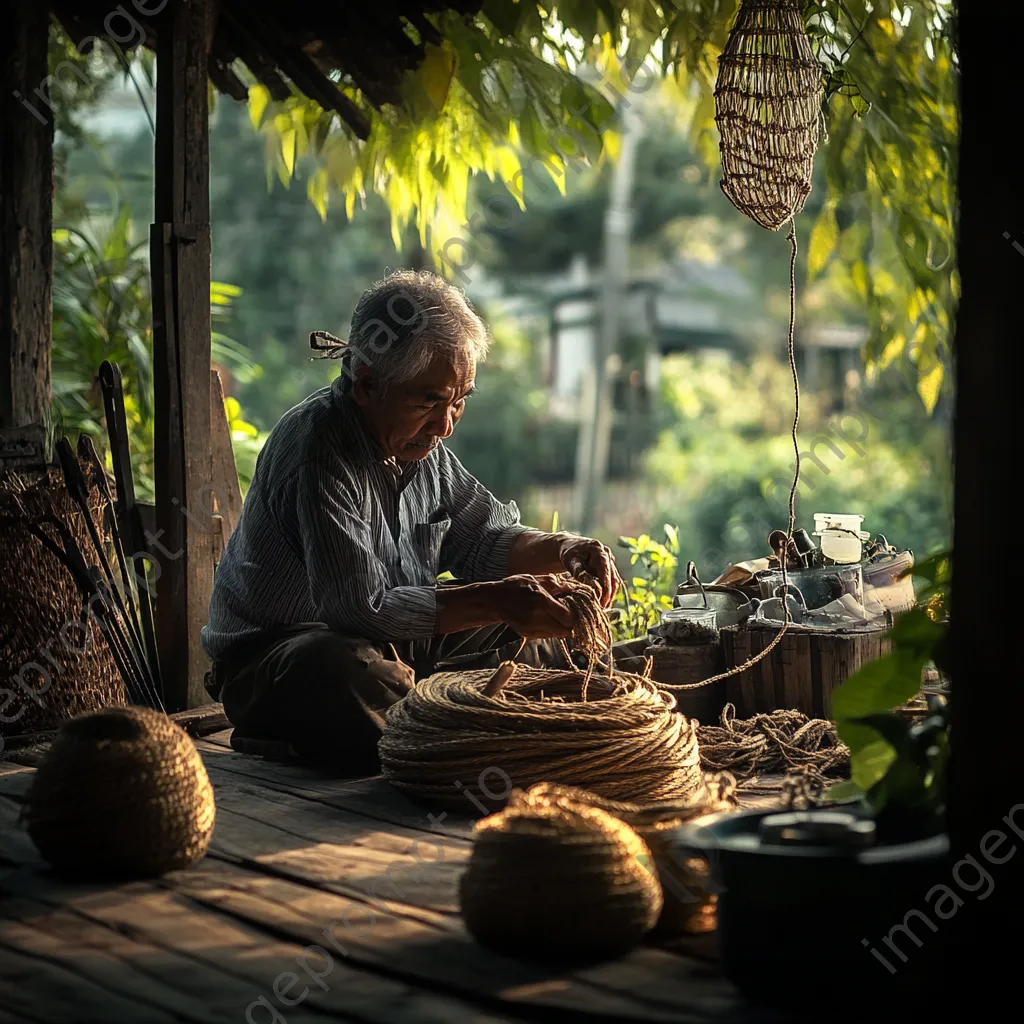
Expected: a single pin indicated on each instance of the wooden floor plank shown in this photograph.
(286, 809)
(15, 778)
(373, 797)
(222, 966)
(144, 974)
(46, 992)
(330, 848)
(220, 739)
(8, 1016)
(640, 987)
(299, 860)
(416, 955)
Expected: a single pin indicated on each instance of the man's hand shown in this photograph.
(597, 559)
(527, 604)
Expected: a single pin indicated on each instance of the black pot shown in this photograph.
(819, 914)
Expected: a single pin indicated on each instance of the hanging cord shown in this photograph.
(591, 636)
(784, 551)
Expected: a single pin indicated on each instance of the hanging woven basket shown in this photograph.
(768, 110)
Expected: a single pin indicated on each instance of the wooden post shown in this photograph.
(26, 217)
(225, 473)
(180, 266)
(987, 700)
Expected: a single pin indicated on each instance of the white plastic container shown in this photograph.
(841, 535)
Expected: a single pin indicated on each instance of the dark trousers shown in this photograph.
(327, 694)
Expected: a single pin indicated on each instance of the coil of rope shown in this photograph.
(625, 741)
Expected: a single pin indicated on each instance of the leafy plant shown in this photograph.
(524, 83)
(103, 310)
(646, 595)
(896, 764)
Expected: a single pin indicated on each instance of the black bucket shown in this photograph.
(849, 924)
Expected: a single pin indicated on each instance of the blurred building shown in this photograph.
(682, 306)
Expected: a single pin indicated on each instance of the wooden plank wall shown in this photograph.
(180, 253)
(26, 216)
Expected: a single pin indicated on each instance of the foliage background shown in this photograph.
(305, 218)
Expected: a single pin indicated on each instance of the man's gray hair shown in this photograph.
(403, 321)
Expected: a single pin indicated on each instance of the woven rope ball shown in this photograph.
(688, 897)
(768, 102)
(122, 793)
(447, 739)
(550, 877)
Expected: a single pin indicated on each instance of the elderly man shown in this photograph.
(326, 605)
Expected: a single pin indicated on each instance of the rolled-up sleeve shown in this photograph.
(483, 529)
(348, 581)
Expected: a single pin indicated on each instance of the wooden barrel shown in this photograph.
(679, 665)
(801, 672)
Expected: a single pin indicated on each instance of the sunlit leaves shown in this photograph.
(259, 97)
(502, 87)
(930, 384)
(822, 244)
(102, 310)
(640, 606)
(436, 73)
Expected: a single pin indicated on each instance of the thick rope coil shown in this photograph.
(448, 740)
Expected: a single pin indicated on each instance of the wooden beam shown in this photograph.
(265, 36)
(986, 699)
(26, 216)
(225, 473)
(180, 250)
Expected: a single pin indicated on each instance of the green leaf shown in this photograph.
(878, 686)
(259, 97)
(892, 728)
(288, 150)
(845, 790)
(824, 236)
(436, 72)
(916, 634)
(930, 385)
(871, 764)
(936, 569)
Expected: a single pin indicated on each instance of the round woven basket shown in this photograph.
(57, 666)
(121, 793)
(688, 896)
(553, 879)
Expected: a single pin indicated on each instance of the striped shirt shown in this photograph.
(333, 532)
